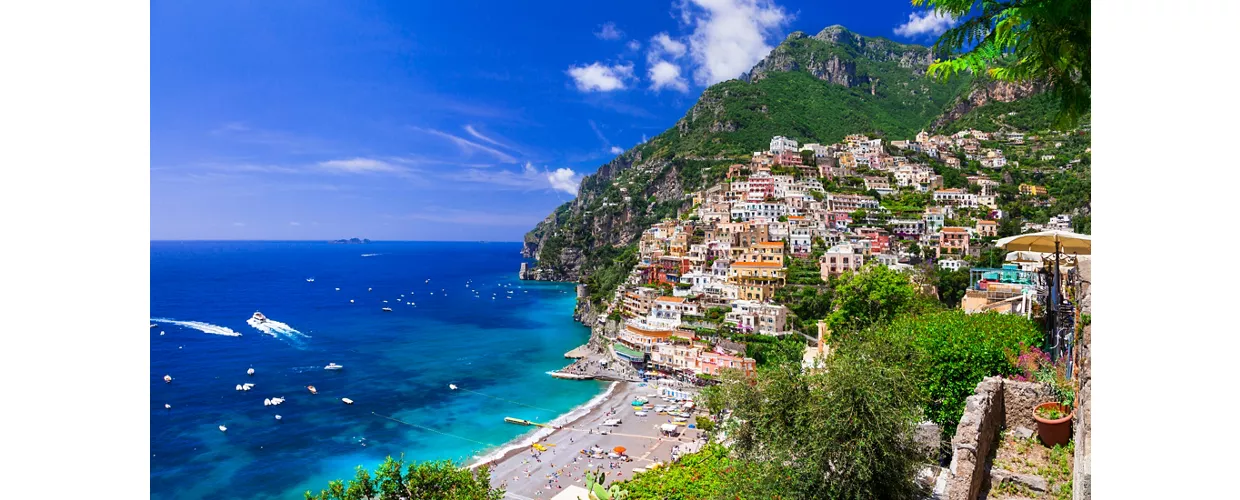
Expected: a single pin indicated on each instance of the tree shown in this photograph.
(842, 433)
(992, 257)
(951, 285)
(439, 480)
(914, 249)
(1021, 41)
(808, 157)
(871, 295)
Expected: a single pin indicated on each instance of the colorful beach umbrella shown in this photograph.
(618, 449)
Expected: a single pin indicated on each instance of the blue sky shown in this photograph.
(434, 120)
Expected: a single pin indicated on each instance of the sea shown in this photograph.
(459, 315)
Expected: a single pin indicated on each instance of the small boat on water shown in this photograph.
(167, 406)
(337, 289)
(452, 386)
(246, 387)
(222, 428)
(167, 379)
(239, 387)
(278, 417)
(152, 325)
(387, 309)
(347, 401)
(249, 372)
(369, 289)
(312, 389)
(259, 317)
(333, 366)
(310, 280)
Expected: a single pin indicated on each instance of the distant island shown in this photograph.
(352, 240)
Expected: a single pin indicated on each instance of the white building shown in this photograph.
(779, 144)
(952, 264)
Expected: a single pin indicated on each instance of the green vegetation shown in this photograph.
(873, 295)
(844, 433)
(1021, 41)
(393, 480)
(700, 475)
(808, 304)
(611, 266)
(1034, 113)
(951, 352)
(951, 285)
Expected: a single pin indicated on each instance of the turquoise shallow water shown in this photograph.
(397, 363)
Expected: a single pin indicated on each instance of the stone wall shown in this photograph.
(1082, 475)
(975, 438)
(996, 404)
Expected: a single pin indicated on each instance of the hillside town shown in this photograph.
(801, 214)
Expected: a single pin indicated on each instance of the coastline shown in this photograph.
(519, 443)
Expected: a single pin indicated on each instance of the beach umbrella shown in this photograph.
(618, 449)
(1054, 241)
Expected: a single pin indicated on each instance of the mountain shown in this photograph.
(811, 88)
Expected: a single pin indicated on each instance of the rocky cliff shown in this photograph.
(986, 91)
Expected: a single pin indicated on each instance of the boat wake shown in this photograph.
(200, 326)
(370, 254)
(275, 328)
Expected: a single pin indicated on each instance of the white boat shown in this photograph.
(152, 325)
(310, 280)
(259, 317)
(167, 406)
(249, 372)
(312, 389)
(246, 387)
(333, 366)
(278, 417)
(347, 401)
(276, 401)
(337, 289)
(350, 301)
(168, 379)
(222, 428)
(452, 386)
(387, 309)
(239, 387)
(267, 402)
(369, 289)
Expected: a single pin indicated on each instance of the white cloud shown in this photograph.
(664, 74)
(615, 150)
(609, 31)
(294, 223)
(634, 45)
(730, 36)
(665, 44)
(600, 78)
(470, 146)
(564, 179)
(360, 165)
(927, 23)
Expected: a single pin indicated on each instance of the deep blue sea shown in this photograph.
(473, 324)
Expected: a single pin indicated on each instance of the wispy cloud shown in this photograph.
(529, 177)
(360, 165)
(597, 77)
(609, 31)
(634, 45)
(469, 146)
(477, 218)
(478, 135)
(926, 23)
(615, 150)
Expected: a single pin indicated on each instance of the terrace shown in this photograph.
(1007, 289)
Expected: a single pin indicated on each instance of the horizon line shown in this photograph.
(329, 240)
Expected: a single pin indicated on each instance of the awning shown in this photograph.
(668, 428)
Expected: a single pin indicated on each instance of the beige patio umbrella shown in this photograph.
(1052, 241)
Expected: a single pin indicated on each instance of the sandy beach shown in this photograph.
(527, 475)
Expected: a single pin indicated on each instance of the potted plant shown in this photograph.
(1055, 417)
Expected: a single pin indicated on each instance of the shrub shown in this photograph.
(952, 351)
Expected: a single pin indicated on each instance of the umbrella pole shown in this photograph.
(1055, 299)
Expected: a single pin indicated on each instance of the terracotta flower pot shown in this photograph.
(1054, 432)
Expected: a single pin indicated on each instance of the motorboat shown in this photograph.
(278, 417)
(222, 428)
(369, 289)
(239, 387)
(350, 301)
(161, 332)
(387, 309)
(246, 387)
(312, 389)
(310, 280)
(452, 386)
(337, 289)
(259, 317)
(276, 401)
(167, 406)
(267, 402)
(152, 325)
(333, 366)
(249, 372)
(347, 401)
(167, 379)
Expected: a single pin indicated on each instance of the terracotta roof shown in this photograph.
(670, 299)
(771, 244)
(954, 230)
(987, 222)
